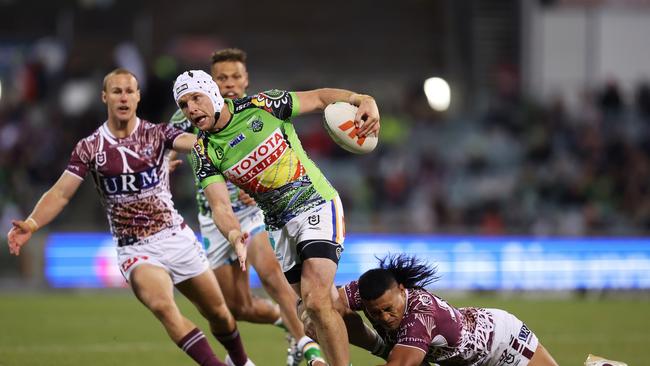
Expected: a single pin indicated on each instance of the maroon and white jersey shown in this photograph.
(448, 336)
(132, 177)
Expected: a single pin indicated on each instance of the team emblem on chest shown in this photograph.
(256, 125)
(100, 158)
(147, 151)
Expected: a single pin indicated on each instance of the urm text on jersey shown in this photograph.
(130, 182)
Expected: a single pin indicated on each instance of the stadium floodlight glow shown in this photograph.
(438, 93)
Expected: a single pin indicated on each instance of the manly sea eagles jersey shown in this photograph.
(446, 335)
(132, 177)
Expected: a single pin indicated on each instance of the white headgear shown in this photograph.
(198, 81)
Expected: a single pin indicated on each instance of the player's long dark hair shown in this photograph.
(408, 271)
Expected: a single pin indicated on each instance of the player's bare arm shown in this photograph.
(367, 117)
(184, 143)
(48, 207)
(402, 355)
(225, 219)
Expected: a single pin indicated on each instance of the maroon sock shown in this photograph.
(197, 347)
(232, 343)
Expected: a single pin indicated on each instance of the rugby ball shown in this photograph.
(339, 123)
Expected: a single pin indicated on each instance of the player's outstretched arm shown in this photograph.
(359, 333)
(225, 219)
(405, 356)
(184, 143)
(48, 207)
(367, 118)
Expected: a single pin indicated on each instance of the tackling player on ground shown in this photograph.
(128, 161)
(228, 69)
(252, 143)
(415, 327)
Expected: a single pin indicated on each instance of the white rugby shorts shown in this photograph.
(324, 222)
(217, 247)
(512, 343)
(177, 250)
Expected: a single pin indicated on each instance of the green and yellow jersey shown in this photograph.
(258, 150)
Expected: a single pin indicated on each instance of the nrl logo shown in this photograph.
(256, 125)
(100, 158)
(219, 152)
(313, 220)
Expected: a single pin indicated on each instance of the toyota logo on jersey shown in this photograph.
(264, 155)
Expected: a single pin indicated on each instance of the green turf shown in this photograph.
(114, 329)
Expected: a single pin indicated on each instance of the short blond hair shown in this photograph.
(119, 71)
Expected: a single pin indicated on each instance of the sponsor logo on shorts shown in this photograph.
(508, 358)
(338, 252)
(524, 333)
(314, 220)
(237, 140)
(131, 261)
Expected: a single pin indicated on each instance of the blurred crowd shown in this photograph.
(512, 165)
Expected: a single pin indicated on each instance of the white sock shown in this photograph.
(303, 342)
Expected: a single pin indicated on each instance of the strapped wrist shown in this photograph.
(32, 224)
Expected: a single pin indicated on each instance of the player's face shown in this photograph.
(121, 96)
(232, 78)
(388, 309)
(198, 108)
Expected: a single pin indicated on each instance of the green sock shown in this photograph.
(312, 351)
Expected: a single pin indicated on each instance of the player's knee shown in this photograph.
(317, 303)
(163, 308)
(240, 312)
(219, 315)
(242, 308)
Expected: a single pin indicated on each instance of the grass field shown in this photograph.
(112, 328)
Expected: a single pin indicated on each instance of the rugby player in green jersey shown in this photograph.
(228, 70)
(252, 143)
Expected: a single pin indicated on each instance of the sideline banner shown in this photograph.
(87, 260)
